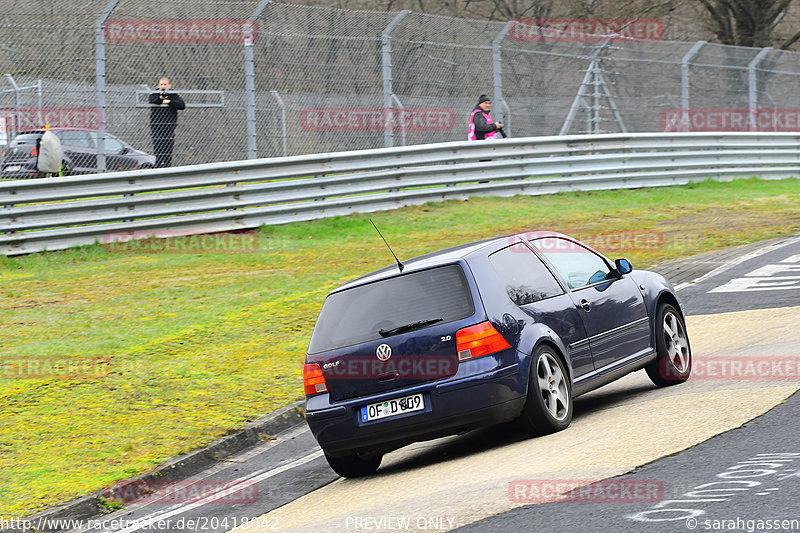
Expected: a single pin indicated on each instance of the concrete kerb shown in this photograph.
(180, 467)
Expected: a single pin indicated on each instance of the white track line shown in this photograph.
(737, 261)
(148, 521)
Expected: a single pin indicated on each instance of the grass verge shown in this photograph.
(160, 353)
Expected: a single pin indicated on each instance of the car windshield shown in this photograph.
(392, 306)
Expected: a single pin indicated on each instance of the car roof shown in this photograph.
(57, 128)
(443, 257)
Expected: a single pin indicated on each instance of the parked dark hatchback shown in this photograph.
(80, 153)
(511, 328)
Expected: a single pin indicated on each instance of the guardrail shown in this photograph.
(58, 213)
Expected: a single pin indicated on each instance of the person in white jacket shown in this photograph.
(49, 153)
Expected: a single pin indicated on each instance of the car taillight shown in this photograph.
(480, 339)
(313, 380)
(35, 151)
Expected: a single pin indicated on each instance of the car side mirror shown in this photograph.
(124, 150)
(623, 266)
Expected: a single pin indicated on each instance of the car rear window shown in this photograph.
(356, 315)
(27, 138)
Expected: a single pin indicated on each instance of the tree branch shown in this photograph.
(790, 41)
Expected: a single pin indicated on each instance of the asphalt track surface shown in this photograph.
(660, 443)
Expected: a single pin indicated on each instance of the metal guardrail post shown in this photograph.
(386, 59)
(497, 64)
(100, 80)
(250, 89)
(752, 89)
(278, 99)
(685, 79)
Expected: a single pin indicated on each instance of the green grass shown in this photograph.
(177, 349)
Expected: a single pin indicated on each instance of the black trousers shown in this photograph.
(163, 142)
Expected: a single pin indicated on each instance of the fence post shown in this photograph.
(17, 103)
(278, 99)
(250, 89)
(250, 85)
(386, 59)
(752, 92)
(100, 80)
(401, 107)
(497, 62)
(685, 80)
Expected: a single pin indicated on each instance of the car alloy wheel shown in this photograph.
(673, 362)
(548, 407)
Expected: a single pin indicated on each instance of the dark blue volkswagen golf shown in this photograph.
(511, 328)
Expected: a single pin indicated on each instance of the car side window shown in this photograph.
(76, 138)
(578, 265)
(526, 278)
(112, 145)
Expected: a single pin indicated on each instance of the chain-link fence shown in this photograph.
(263, 79)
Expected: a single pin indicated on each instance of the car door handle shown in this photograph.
(586, 305)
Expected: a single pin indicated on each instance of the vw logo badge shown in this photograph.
(384, 352)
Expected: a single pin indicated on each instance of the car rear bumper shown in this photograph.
(451, 407)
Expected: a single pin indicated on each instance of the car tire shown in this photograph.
(356, 465)
(548, 407)
(673, 363)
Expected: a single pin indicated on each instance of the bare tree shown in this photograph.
(751, 23)
(747, 22)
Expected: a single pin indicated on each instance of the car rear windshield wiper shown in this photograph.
(408, 327)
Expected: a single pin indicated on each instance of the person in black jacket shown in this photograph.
(481, 125)
(163, 119)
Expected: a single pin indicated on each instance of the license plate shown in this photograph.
(393, 407)
(13, 168)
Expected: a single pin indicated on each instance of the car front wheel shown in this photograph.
(548, 407)
(673, 362)
(356, 465)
